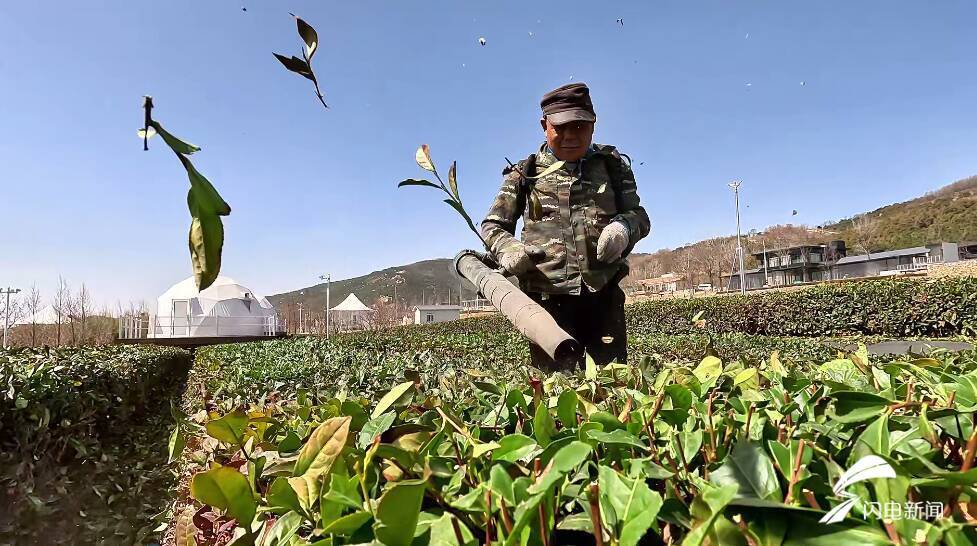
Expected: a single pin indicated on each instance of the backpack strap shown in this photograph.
(523, 168)
(615, 164)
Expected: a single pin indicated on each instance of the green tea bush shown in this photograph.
(51, 395)
(82, 442)
(358, 363)
(710, 452)
(885, 307)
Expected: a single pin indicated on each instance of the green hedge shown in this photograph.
(53, 395)
(885, 307)
(83, 442)
(359, 364)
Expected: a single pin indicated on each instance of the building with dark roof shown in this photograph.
(816, 263)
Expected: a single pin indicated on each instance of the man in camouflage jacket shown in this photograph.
(581, 218)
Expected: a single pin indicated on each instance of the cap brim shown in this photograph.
(559, 118)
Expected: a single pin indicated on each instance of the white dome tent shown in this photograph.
(225, 308)
(351, 314)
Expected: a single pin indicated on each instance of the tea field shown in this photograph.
(733, 423)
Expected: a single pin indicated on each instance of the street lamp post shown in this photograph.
(735, 185)
(6, 314)
(328, 278)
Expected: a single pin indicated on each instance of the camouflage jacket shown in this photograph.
(565, 215)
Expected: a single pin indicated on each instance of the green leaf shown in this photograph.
(344, 491)
(461, 210)
(176, 444)
(348, 524)
(309, 36)
(453, 181)
(317, 457)
(619, 437)
(566, 408)
(397, 513)
(514, 447)
(282, 498)
(751, 470)
(206, 244)
(423, 158)
(282, 532)
(374, 428)
(709, 369)
(680, 396)
(294, 64)
(229, 428)
(501, 484)
(857, 406)
(391, 398)
(544, 428)
(482, 448)
(322, 448)
(716, 499)
(227, 489)
(175, 144)
(290, 443)
(416, 182)
(206, 206)
(635, 505)
(785, 456)
(443, 533)
(565, 461)
(747, 379)
(690, 442)
(876, 436)
(590, 369)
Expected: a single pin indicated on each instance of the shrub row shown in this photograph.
(884, 307)
(52, 395)
(362, 363)
(82, 442)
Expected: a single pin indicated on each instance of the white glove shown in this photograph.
(516, 258)
(612, 242)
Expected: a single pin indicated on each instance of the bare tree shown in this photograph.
(862, 226)
(83, 307)
(62, 304)
(33, 305)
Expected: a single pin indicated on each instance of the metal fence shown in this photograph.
(141, 327)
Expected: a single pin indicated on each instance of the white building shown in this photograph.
(427, 314)
(225, 308)
(351, 314)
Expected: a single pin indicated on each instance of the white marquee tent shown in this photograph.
(351, 314)
(225, 308)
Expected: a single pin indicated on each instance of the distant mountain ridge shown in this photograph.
(946, 214)
(427, 281)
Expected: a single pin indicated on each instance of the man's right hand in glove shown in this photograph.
(516, 258)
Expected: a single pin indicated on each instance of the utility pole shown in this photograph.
(6, 314)
(735, 185)
(328, 278)
(301, 323)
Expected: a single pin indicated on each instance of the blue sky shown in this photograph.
(700, 92)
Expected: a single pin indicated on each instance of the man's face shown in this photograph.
(569, 141)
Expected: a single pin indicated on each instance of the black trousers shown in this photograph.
(595, 319)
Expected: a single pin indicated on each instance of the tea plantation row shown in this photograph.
(709, 453)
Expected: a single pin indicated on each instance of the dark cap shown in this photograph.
(568, 103)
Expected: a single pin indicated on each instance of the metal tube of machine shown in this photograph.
(526, 315)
